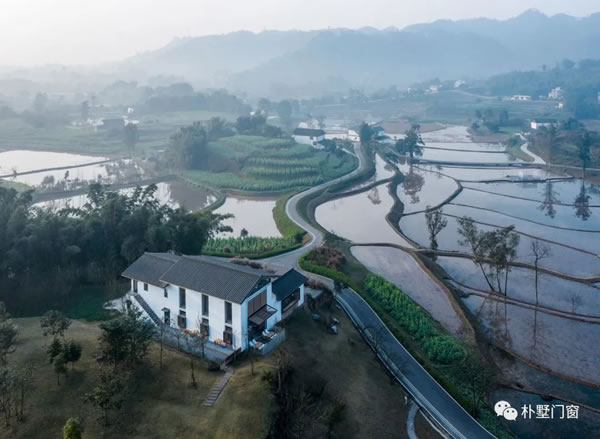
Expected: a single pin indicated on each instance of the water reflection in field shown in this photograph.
(360, 217)
(253, 214)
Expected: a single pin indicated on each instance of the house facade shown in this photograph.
(308, 136)
(536, 124)
(229, 304)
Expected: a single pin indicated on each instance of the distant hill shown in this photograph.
(297, 63)
(292, 63)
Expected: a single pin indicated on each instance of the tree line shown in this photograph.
(44, 255)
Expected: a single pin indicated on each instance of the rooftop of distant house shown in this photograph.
(311, 132)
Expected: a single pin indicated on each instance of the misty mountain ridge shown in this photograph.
(310, 63)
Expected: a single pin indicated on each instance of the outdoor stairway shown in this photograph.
(147, 309)
(218, 388)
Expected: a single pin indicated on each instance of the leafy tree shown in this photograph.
(8, 334)
(243, 233)
(130, 135)
(73, 429)
(54, 350)
(435, 224)
(54, 323)
(216, 128)
(494, 250)
(125, 339)
(71, 352)
(187, 148)
(108, 395)
(412, 144)
(365, 133)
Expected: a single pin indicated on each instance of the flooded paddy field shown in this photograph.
(24, 161)
(360, 217)
(174, 194)
(253, 214)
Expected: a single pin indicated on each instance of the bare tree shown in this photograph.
(162, 330)
(540, 251)
(435, 224)
(575, 302)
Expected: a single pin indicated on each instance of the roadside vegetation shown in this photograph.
(459, 368)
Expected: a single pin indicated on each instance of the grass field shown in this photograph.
(164, 404)
(253, 163)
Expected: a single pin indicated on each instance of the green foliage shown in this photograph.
(248, 246)
(54, 350)
(8, 334)
(285, 225)
(91, 244)
(253, 163)
(54, 323)
(413, 319)
(71, 352)
(125, 339)
(107, 395)
(188, 146)
(73, 429)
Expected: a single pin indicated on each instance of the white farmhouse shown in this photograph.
(536, 124)
(231, 305)
(555, 93)
(520, 98)
(308, 136)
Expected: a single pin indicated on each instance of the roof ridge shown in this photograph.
(159, 255)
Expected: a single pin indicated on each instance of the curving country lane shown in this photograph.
(428, 394)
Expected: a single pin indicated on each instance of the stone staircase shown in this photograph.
(218, 388)
(157, 321)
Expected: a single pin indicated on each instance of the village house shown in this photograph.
(536, 124)
(555, 93)
(308, 136)
(232, 306)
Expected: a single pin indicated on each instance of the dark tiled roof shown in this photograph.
(150, 267)
(308, 132)
(224, 280)
(287, 284)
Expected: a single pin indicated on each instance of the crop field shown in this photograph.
(266, 164)
(249, 246)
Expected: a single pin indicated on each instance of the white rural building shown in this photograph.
(555, 93)
(229, 304)
(536, 124)
(308, 136)
(520, 98)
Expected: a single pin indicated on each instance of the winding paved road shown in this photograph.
(430, 396)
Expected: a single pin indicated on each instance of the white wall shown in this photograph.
(216, 310)
(306, 140)
(193, 310)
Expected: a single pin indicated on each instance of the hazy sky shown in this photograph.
(87, 32)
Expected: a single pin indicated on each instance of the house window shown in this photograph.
(205, 328)
(135, 286)
(204, 305)
(165, 292)
(290, 300)
(181, 320)
(145, 286)
(167, 316)
(228, 312)
(228, 335)
(182, 298)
